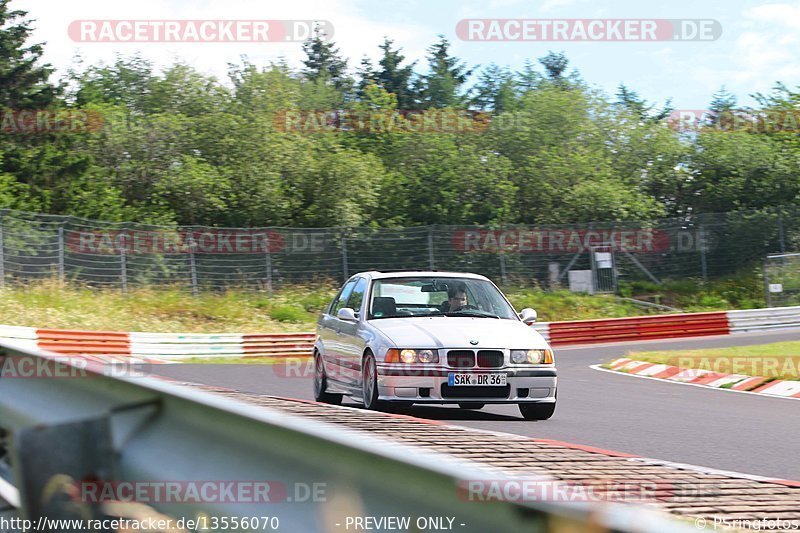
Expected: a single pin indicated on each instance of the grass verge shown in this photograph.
(50, 304)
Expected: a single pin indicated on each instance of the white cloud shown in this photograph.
(781, 14)
(767, 50)
(551, 5)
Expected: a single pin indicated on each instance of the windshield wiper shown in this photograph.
(471, 313)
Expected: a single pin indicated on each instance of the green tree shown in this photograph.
(394, 78)
(639, 107)
(443, 85)
(495, 90)
(23, 78)
(740, 170)
(125, 82)
(324, 63)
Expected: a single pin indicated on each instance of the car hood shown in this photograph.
(457, 332)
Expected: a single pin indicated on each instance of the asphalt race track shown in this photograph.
(688, 424)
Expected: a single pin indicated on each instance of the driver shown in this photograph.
(456, 296)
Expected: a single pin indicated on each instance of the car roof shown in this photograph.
(377, 274)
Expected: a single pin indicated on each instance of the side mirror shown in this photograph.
(528, 315)
(347, 314)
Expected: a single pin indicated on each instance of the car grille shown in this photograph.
(490, 359)
(461, 358)
(475, 392)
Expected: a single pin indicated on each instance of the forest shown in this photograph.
(174, 146)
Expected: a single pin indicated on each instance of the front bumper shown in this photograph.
(430, 385)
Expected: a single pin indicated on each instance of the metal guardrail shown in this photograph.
(637, 328)
(101, 427)
(165, 347)
(764, 319)
(162, 346)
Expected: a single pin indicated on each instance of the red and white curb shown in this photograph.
(158, 348)
(705, 378)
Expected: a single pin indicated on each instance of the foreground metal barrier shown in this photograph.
(74, 427)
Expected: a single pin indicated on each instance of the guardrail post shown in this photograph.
(268, 258)
(123, 263)
(61, 253)
(344, 256)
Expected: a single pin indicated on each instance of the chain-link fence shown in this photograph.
(130, 254)
(782, 279)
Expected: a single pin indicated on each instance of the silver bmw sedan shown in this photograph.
(393, 338)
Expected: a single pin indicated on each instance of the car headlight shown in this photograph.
(427, 356)
(519, 356)
(533, 357)
(409, 356)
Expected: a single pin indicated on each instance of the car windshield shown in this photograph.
(429, 296)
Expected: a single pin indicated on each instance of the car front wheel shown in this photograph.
(321, 383)
(537, 411)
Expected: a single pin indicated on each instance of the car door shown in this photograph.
(330, 333)
(351, 335)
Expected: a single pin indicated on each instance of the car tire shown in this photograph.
(369, 384)
(471, 405)
(321, 383)
(537, 411)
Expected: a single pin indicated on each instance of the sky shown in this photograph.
(759, 43)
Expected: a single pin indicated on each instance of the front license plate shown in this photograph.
(476, 380)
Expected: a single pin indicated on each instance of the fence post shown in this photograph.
(703, 264)
(781, 234)
(61, 253)
(2, 254)
(269, 263)
(768, 296)
(430, 249)
(345, 269)
(503, 276)
(123, 263)
(192, 265)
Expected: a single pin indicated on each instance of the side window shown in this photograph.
(343, 296)
(357, 296)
